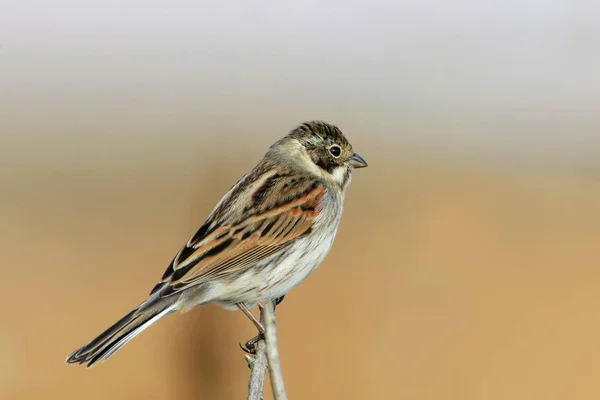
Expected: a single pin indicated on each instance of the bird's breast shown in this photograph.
(276, 275)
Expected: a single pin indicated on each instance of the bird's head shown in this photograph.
(321, 148)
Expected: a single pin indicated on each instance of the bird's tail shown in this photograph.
(125, 329)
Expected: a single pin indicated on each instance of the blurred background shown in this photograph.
(467, 262)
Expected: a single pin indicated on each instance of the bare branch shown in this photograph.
(258, 367)
(273, 352)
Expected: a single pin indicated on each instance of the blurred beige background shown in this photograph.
(467, 263)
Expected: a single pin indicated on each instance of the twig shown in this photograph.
(258, 368)
(275, 373)
(258, 365)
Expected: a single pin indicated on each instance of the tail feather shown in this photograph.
(121, 332)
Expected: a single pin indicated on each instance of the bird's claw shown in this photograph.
(250, 346)
(250, 349)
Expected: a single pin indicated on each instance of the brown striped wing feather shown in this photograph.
(283, 214)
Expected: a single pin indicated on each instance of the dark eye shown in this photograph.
(335, 151)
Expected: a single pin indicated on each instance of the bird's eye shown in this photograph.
(335, 151)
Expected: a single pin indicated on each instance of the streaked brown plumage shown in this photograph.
(268, 232)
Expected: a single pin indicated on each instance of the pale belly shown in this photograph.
(275, 276)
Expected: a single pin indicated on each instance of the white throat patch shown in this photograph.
(339, 176)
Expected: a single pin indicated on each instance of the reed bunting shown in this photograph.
(267, 234)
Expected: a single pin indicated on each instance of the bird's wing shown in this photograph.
(281, 211)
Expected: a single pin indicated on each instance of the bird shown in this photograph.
(265, 236)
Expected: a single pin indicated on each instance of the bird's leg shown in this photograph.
(249, 347)
(251, 317)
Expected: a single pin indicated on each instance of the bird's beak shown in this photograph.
(357, 161)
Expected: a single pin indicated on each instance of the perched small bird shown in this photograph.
(265, 236)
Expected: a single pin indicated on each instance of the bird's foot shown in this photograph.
(250, 346)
